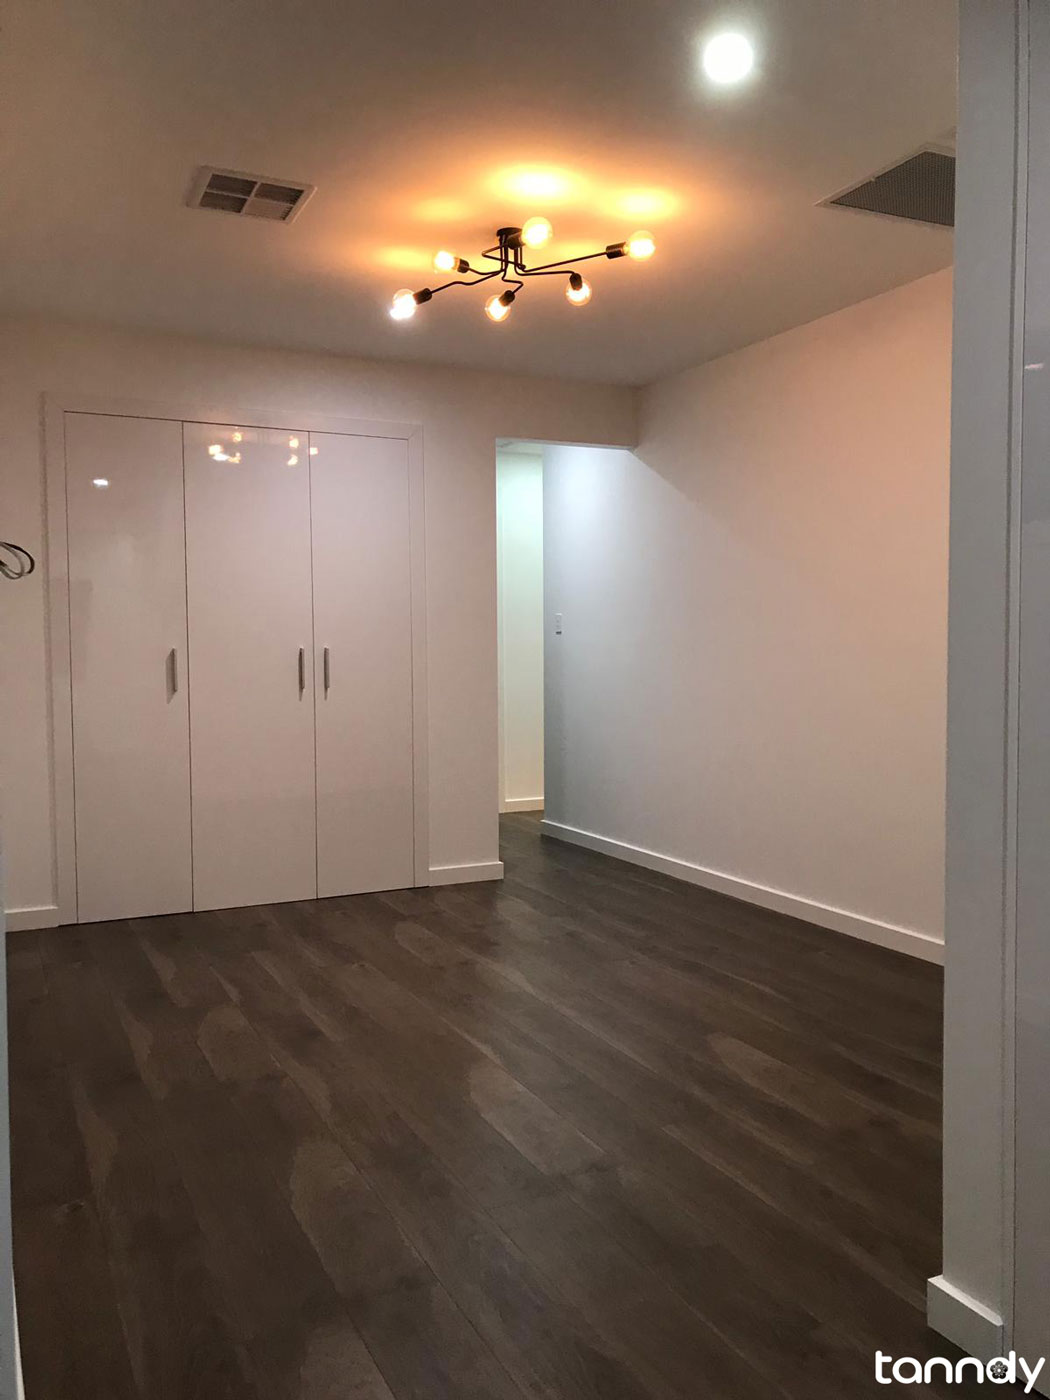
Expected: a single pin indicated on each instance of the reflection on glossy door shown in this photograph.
(127, 602)
(251, 679)
(363, 632)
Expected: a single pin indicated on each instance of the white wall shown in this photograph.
(519, 536)
(969, 1301)
(1031, 1329)
(462, 415)
(991, 1295)
(751, 678)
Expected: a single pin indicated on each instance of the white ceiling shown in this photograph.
(419, 122)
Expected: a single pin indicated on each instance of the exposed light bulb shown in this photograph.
(293, 443)
(445, 261)
(403, 307)
(536, 231)
(293, 460)
(641, 245)
(578, 292)
(100, 481)
(728, 58)
(497, 308)
(314, 451)
(237, 435)
(215, 450)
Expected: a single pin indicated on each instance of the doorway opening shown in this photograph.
(520, 624)
(553, 559)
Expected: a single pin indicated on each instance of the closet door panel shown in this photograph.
(251, 672)
(363, 623)
(127, 599)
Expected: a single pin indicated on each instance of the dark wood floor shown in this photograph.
(590, 1134)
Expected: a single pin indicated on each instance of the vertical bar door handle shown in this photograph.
(173, 657)
(302, 670)
(327, 671)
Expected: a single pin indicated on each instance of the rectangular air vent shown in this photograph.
(257, 196)
(921, 188)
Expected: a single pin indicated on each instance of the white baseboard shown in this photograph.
(904, 940)
(963, 1320)
(466, 874)
(522, 804)
(42, 916)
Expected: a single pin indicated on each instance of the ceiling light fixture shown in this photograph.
(497, 308)
(535, 232)
(404, 305)
(508, 251)
(728, 58)
(578, 292)
(640, 246)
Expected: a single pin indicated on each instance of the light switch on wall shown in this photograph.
(557, 624)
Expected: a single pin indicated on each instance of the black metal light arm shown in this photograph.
(614, 250)
(457, 282)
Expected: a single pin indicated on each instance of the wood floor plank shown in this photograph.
(586, 1134)
(425, 1082)
(72, 1340)
(283, 1309)
(537, 1335)
(637, 981)
(723, 1367)
(623, 1130)
(647, 1093)
(802, 1115)
(740, 939)
(178, 1337)
(614, 1020)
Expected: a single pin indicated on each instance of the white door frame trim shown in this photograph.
(972, 1300)
(56, 536)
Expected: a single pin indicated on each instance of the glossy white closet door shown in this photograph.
(127, 603)
(251, 672)
(363, 625)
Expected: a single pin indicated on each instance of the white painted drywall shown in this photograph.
(751, 677)
(1031, 1320)
(519, 527)
(462, 413)
(970, 1300)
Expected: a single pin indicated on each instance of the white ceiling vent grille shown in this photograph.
(256, 196)
(921, 188)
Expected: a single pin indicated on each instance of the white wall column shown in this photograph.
(992, 683)
(1031, 1195)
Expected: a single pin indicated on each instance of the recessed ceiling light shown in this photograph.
(728, 58)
